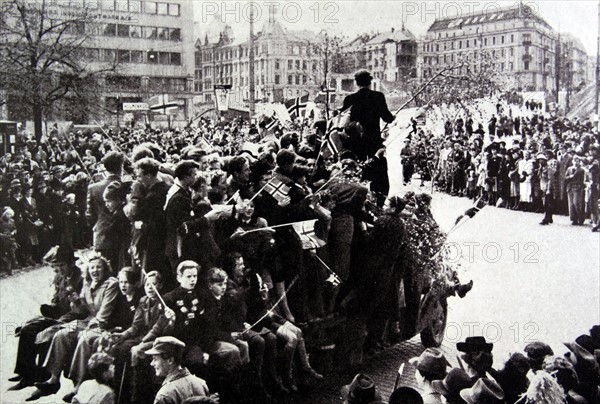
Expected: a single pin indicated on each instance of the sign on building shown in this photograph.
(135, 106)
(222, 96)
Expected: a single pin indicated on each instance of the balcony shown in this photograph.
(527, 42)
(527, 57)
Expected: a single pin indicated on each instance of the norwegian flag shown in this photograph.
(335, 127)
(271, 122)
(279, 191)
(297, 106)
(308, 237)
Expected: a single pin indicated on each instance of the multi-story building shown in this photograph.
(519, 43)
(156, 59)
(287, 64)
(150, 46)
(392, 55)
(574, 61)
(590, 70)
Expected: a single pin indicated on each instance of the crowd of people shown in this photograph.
(213, 250)
(195, 245)
(535, 162)
(534, 376)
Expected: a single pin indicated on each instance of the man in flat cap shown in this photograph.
(179, 384)
(368, 107)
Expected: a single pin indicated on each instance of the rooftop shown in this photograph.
(519, 11)
(394, 36)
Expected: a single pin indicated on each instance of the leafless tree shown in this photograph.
(46, 62)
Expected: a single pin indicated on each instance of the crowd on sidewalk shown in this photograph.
(214, 248)
(535, 375)
(535, 162)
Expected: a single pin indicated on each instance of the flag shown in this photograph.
(271, 122)
(308, 237)
(297, 106)
(279, 191)
(335, 127)
(162, 104)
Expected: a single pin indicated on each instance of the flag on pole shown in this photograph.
(162, 104)
(271, 122)
(335, 127)
(279, 191)
(308, 237)
(297, 106)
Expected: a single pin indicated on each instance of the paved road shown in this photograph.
(531, 283)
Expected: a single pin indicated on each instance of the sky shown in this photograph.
(350, 17)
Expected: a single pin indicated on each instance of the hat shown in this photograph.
(405, 395)
(432, 360)
(170, 346)
(595, 333)
(581, 356)
(15, 184)
(538, 350)
(484, 391)
(193, 152)
(361, 390)
(455, 381)
(475, 344)
(541, 156)
(587, 343)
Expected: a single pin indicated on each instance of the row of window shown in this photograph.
(134, 83)
(130, 6)
(229, 54)
(135, 31)
(133, 56)
(501, 66)
(228, 69)
(292, 79)
(153, 7)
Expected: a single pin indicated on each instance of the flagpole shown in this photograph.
(283, 295)
(113, 142)
(327, 183)
(259, 191)
(276, 226)
(419, 92)
(78, 156)
(232, 197)
(329, 269)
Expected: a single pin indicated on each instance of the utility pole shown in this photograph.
(557, 62)
(251, 67)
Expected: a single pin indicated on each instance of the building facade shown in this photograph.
(153, 44)
(144, 49)
(574, 61)
(514, 41)
(392, 55)
(287, 64)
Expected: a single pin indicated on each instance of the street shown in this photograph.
(531, 283)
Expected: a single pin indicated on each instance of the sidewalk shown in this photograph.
(383, 368)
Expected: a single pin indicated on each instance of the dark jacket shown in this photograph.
(368, 107)
(177, 212)
(97, 213)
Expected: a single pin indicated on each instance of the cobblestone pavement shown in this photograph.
(383, 368)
